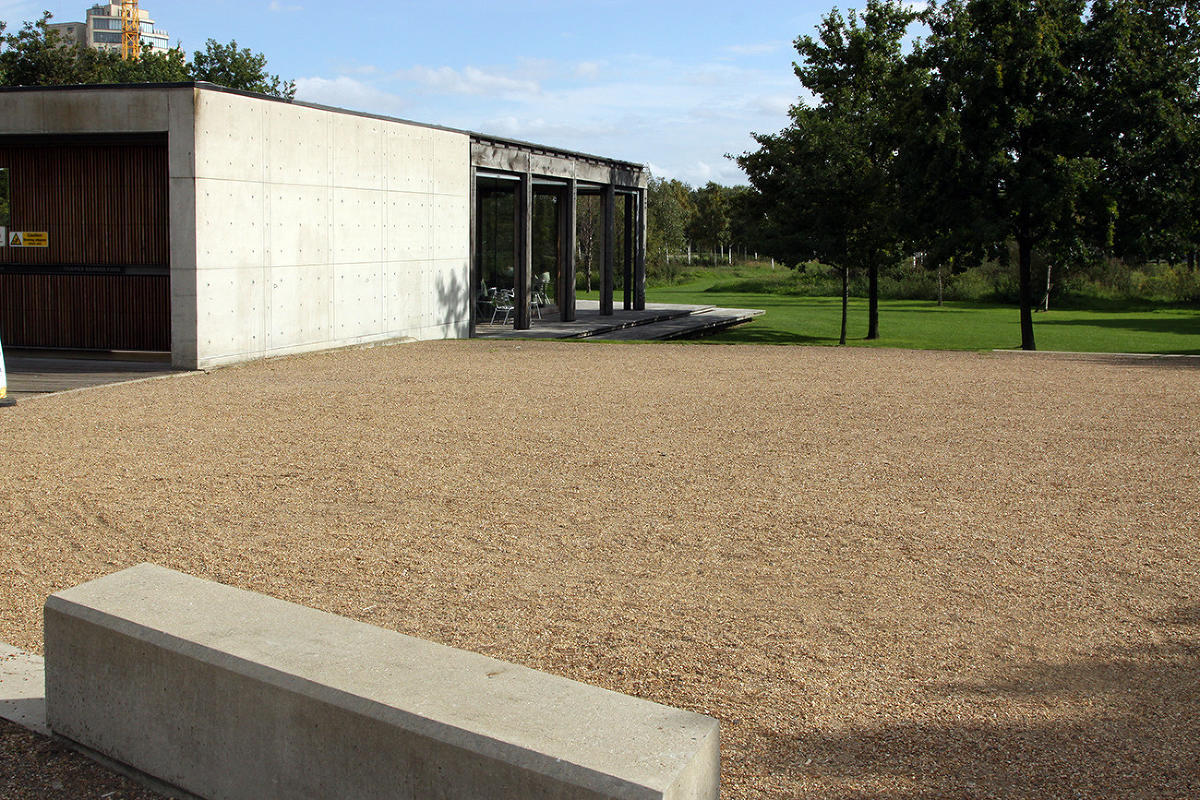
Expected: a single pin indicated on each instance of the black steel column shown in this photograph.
(567, 243)
(639, 264)
(474, 271)
(523, 265)
(606, 273)
(627, 257)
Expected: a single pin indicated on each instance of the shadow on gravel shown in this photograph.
(1162, 361)
(35, 767)
(1133, 732)
(1148, 361)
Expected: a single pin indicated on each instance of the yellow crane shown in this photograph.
(131, 31)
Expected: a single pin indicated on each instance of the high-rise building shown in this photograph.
(102, 30)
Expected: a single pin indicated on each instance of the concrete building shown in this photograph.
(224, 226)
(102, 29)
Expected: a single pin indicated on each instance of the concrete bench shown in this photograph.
(227, 693)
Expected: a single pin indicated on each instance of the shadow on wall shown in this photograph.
(1122, 726)
(453, 300)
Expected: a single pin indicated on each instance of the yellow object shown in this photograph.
(29, 239)
(131, 31)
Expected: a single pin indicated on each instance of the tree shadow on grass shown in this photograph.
(1183, 326)
(752, 335)
(1122, 726)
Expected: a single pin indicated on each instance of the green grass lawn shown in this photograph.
(924, 325)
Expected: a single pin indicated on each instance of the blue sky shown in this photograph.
(671, 84)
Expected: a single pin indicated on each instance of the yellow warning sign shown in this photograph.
(29, 239)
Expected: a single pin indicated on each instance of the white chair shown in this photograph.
(503, 300)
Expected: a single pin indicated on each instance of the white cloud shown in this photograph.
(554, 130)
(698, 173)
(761, 48)
(771, 103)
(588, 69)
(635, 108)
(469, 80)
(346, 92)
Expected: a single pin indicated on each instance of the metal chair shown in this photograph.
(503, 300)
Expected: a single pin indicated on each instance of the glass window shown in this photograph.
(497, 237)
(108, 38)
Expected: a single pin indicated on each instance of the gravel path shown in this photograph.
(888, 573)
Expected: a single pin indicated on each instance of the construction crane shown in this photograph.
(131, 31)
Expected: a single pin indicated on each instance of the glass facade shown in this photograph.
(545, 256)
(106, 27)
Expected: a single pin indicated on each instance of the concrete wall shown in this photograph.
(232, 694)
(317, 229)
(292, 228)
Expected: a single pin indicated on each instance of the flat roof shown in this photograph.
(483, 137)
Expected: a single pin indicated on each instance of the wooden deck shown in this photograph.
(658, 322)
(32, 373)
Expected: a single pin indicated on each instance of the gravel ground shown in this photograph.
(888, 573)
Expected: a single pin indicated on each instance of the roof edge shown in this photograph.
(212, 87)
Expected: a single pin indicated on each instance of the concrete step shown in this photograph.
(657, 321)
(707, 321)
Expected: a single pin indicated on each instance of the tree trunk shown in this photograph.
(1046, 300)
(1025, 248)
(873, 299)
(939, 283)
(845, 301)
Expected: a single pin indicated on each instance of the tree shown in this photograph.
(745, 217)
(828, 181)
(710, 220)
(669, 210)
(149, 67)
(587, 238)
(807, 181)
(1004, 134)
(36, 55)
(1142, 57)
(226, 65)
